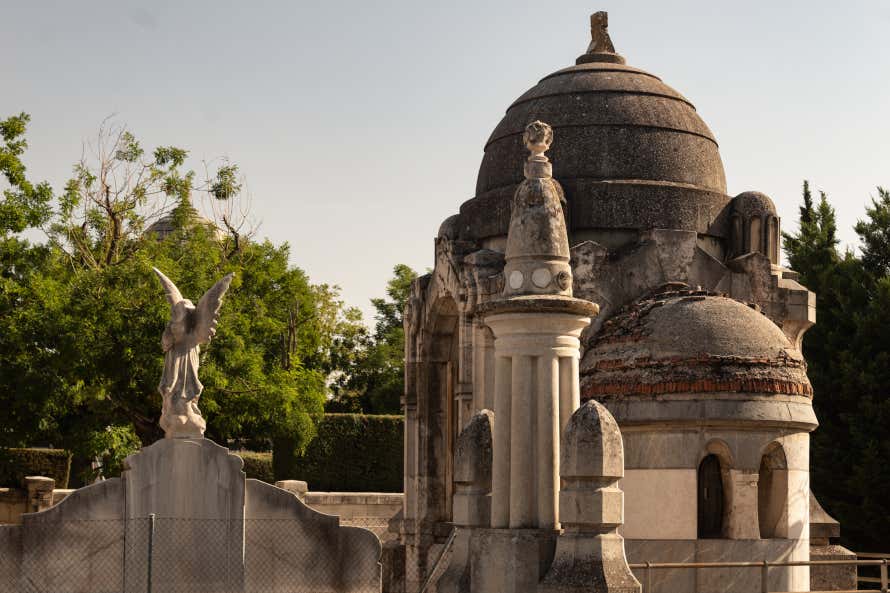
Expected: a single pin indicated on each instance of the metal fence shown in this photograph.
(161, 555)
(644, 571)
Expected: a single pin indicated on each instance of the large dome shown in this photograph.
(630, 152)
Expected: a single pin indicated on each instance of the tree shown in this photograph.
(373, 376)
(80, 356)
(874, 232)
(848, 366)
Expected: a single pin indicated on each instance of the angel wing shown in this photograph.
(207, 311)
(170, 291)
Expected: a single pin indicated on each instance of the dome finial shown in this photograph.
(600, 42)
(537, 139)
(600, 48)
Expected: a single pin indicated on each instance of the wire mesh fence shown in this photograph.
(161, 555)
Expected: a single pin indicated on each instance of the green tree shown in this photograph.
(848, 366)
(80, 356)
(373, 377)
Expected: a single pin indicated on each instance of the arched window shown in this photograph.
(772, 493)
(710, 498)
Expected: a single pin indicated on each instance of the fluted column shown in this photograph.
(569, 389)
(548, 426)
(500, 474)
(522, 444)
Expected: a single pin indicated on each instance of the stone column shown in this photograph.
(483, 368)
(737, 517)
(532, 348)
(522, 444)
(500, 471)
(569, 388)
(590, 553)
(463, 392)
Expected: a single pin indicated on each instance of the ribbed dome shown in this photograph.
(691, 342)
(629, 151)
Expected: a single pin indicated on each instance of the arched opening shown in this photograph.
(772, 493)
(710, 498)
(439, 407)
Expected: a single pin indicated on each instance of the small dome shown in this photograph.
(709, 355)
(164, 226)
(753, 203)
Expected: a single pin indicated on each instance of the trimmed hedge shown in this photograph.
(15, 464)
(257, 465)
(350, 453)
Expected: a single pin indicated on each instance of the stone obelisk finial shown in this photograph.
(537, 250)
(600, 48)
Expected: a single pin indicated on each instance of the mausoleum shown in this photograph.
(695, 350)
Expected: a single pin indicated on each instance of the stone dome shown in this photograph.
(694, 347)
(629, 151)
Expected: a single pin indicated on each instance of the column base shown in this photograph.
(589, 563)
(510, 560)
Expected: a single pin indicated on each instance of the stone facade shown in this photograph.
(695, 351)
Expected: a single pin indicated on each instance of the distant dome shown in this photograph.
(164, 226)
(629, 151)
(694, 348)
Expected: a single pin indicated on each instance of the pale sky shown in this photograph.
(360, 125)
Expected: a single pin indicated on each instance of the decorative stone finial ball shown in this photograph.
(537, 137)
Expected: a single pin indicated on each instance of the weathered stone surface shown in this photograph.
(212, 532)
(325, 556)
(691, 342)
(510, 560)
(647, 137)
(590, 552)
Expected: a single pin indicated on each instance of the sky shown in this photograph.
(359, 126)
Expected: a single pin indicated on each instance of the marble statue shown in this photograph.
(188, 328)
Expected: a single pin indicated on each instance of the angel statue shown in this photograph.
(188, 328)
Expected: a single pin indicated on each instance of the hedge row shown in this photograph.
(15, 464)
(351, 453)
(257, 465)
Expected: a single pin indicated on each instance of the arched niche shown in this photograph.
(772, 493)
(711, 497)
(437, 408)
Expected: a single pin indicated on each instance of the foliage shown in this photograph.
(81, 317)
(849, 366)
(373, 378)
(352, 453)
(257, 465)
(17, 463)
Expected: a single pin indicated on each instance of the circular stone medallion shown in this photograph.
(542, 277)
(516, 279)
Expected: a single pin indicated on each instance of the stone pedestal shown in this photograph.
(510, 560)
(824, 528)
(40, 493)
(195, 489)
(590, 553)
